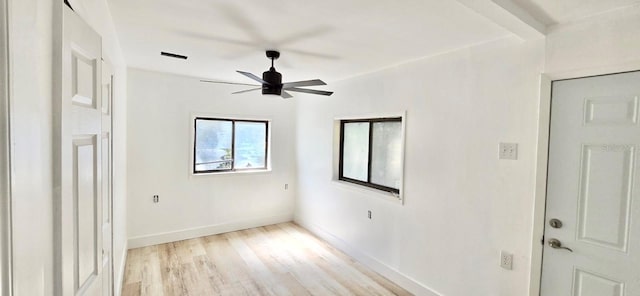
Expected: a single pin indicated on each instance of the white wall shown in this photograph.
(159, 150)
(31, 125)
(597, 45)
(462, 204)
(98, 15)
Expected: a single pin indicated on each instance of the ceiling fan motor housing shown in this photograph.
(275, 82)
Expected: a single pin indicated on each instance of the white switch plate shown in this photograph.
(506, 260)
(509, 151)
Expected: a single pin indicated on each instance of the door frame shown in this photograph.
(107, 60)
(542, 159)
(6, 264)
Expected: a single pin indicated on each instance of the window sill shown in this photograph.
(238, 172)
(389, 196)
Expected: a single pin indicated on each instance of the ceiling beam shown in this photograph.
(510, 16)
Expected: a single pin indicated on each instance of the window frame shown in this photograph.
(233, 168)
(368, 183)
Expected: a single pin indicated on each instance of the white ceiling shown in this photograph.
(328, 39)
(552, 12)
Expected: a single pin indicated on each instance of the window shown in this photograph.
(371, 152)
(229, 145)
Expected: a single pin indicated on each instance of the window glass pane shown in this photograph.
(355, 155)
(250, 145)
(386, 154)
(213, 145)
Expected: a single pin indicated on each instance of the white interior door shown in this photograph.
(78, 142)
(593, 188)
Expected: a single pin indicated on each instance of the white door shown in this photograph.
(593, 248)
(77, 154)
(107, 197)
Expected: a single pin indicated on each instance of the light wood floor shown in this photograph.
(282, 259)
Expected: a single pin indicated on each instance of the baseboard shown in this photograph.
(387, 271)
(123, 263)
(166, 237)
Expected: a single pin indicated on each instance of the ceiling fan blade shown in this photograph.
(239, 19)
(310, 91)
(303, 83)
(225, 82)
(286, 95)
(246, 90)
(252, 76)
(311, 54)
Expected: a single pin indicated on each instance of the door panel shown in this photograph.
(107, 254)
(590, 284)
(83, 72)
(85, 201)
(593, 188)
(621, 110)
(605, 195)
(107, 89)
(105, 178)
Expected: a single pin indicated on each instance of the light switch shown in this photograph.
(509, 151)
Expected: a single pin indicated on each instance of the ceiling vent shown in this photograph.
(173, 55)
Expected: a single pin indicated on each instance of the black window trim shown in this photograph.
(233, 144)
(368, 183)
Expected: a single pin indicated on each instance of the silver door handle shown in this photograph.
(556, 244)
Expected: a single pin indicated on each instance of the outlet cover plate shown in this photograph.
(506, 260)
(509, 151)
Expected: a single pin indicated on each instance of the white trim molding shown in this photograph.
(173, 236)
(119, 284)
(540, 194)
(6, 265)
(374, 264)
(510, 16)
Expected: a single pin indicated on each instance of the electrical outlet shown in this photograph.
(369, 214)
(506, 260)
(509, 151)
(286, 186)
(156, 199)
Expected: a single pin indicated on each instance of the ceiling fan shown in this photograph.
(271, 82)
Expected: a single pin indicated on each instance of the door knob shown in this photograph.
(555, 223)
(556, 244)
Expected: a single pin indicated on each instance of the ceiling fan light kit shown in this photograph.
(271, 82)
